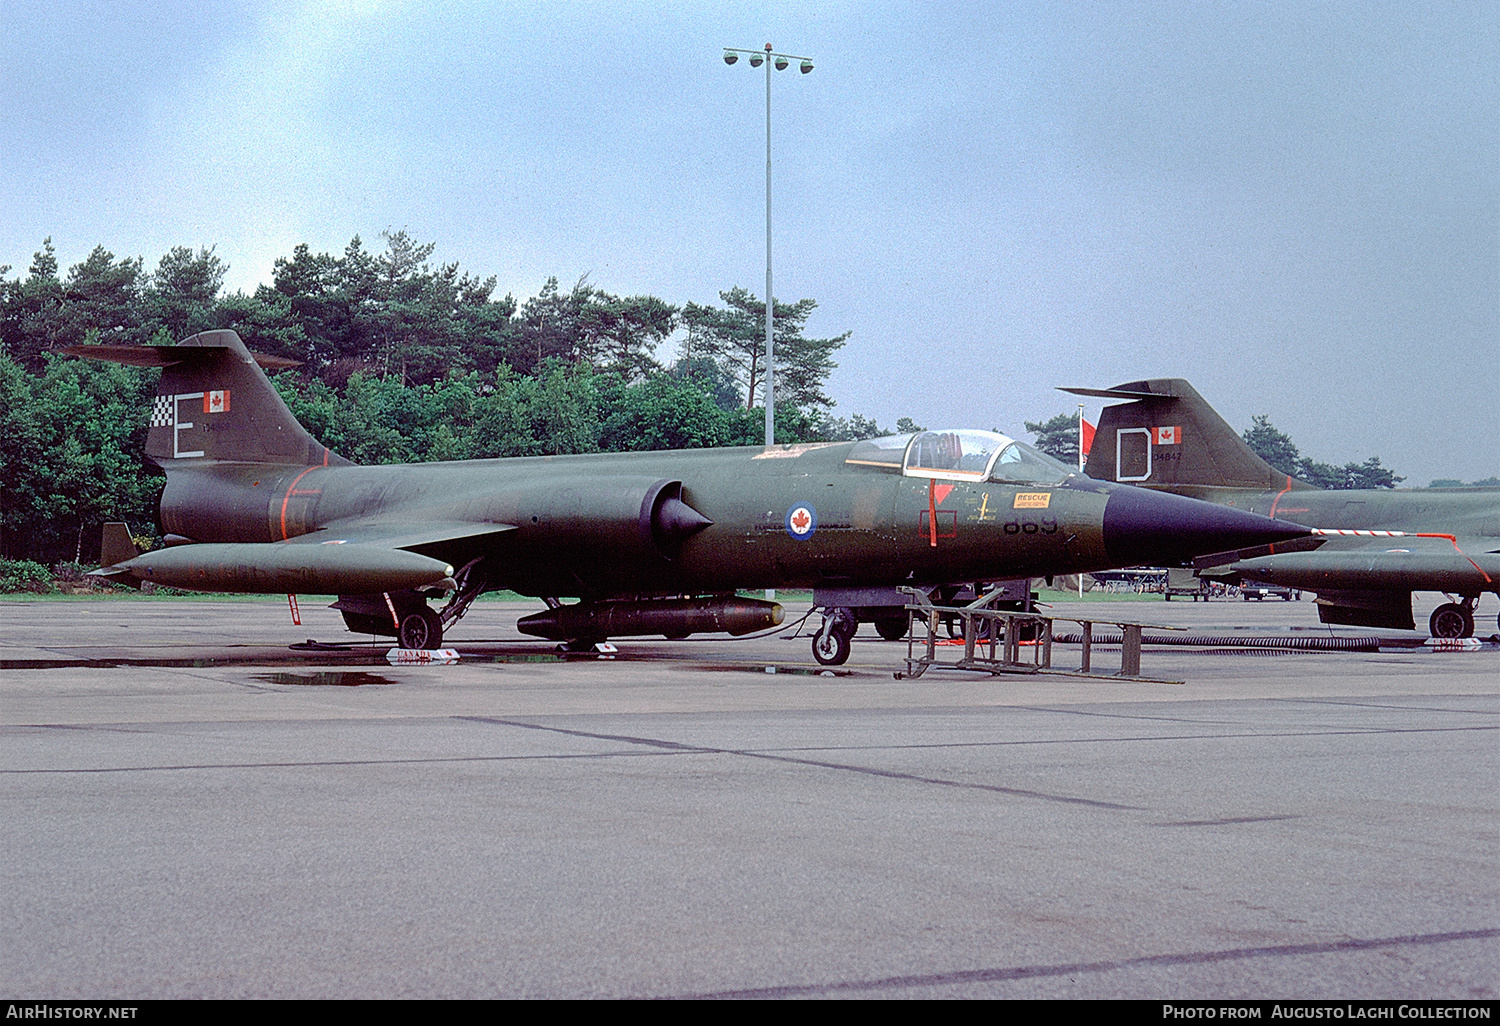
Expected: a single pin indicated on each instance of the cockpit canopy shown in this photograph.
(963, 455)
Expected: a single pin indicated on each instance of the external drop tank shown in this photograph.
(671, 618)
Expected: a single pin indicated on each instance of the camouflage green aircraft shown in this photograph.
(1168, 438)
(649, 543)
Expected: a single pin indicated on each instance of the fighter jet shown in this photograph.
(1393, 543)
(647, 543)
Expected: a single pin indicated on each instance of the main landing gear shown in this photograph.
(421, 628)
(406, 614)
(407, 618)
(1453, 619)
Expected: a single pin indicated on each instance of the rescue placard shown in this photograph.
(1032, 500)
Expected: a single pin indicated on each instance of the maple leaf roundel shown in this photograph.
(801, 522)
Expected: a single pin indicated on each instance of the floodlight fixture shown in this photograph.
(780, 61)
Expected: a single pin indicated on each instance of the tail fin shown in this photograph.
(116, 545)
(1168, 436)
(214, 404)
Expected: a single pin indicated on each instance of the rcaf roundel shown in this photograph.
(801, 522)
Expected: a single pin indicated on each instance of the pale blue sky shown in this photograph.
(1296, 206)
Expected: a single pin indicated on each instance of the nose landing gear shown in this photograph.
(830, 646)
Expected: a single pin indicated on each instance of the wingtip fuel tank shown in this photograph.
(279, 569)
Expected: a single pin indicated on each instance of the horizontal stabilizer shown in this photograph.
(1115, 393)
(164, 356)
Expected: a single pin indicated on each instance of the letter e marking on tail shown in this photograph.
(179, 425)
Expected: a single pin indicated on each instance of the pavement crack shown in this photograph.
(817, 763)
(1030, 972)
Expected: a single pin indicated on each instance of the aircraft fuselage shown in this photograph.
(794, 516)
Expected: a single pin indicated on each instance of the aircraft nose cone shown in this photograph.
(1146, 528)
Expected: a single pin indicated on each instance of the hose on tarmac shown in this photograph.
(1306, 644)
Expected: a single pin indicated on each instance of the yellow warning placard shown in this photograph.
(1032, 500)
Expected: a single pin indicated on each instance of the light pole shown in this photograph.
(780, 62)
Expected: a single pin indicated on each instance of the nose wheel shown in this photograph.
(830, 646)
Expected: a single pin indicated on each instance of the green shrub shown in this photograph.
(26, 576)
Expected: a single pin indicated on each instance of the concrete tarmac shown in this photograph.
(195, 810)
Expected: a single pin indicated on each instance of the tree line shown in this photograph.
(400, 360)
(403, 360)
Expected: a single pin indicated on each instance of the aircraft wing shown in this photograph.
(1370, 584)
(411, 533)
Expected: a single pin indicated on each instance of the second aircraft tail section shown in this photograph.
(1168, 436)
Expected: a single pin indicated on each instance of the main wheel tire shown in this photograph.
(420, 629)
(831, 646)
(891, 628)
(1451, 620)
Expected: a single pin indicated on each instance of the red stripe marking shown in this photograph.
(288, 497)
(932, 510)
(1276, 502)
(1461, 552)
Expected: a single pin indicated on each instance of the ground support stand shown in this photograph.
(1001, 642)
